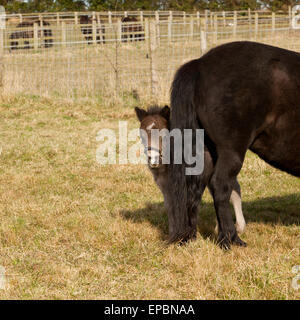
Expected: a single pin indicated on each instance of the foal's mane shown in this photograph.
(154, 110)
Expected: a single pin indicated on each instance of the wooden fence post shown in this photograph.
(224, 18)
(99, 28)
(191, 28)
(256, 24)
(157, 16)
(117, 45)
(1, 45)
(35, 36)
(152, 44)
(249, 19)
(171, 15)
(152, 34)
(273, 22)
(57, 18)
(170, 28)
(198, 19)
(292, 17)
(94, 28)
(41, 27)
(2, 33)
(234, 23)
(147, 38)
(141, 16)
(205, 20)
(109, 17)
(76, 17)
(157, 27)
(119, 30)
(215, 29)
(203, 41)
(63, 34)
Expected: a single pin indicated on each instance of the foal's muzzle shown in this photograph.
(154, 157)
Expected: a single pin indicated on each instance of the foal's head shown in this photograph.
(153, 118)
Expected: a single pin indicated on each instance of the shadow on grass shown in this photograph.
(273, 211)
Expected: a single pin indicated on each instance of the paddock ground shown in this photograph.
(71, 229)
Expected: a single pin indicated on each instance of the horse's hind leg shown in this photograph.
(236, 201)
(227, 167)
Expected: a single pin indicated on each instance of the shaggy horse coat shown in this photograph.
(244, 95)
(159, 118)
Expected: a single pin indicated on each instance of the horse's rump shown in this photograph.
(245, 96)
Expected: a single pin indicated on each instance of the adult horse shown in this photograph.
(245, 95)
(87, 29)
(23, 39)
(132, 30)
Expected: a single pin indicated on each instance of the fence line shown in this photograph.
(51, 27)
(110, 16)
(131, 59)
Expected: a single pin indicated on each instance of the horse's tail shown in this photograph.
(183, 116)
(183, 113)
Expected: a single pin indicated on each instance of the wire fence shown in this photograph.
(131, 56)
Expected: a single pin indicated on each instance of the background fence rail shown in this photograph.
(131, 54)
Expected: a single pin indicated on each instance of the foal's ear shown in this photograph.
(165, 112)
(140, 113)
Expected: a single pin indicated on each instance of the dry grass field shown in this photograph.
(72, 229)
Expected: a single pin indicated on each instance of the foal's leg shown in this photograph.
(228, 165)
(197, 190)
(236, 201)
